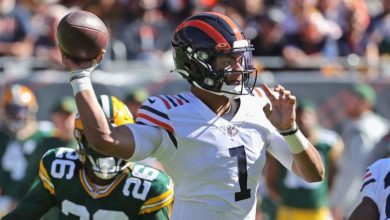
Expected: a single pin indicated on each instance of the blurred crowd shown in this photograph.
(296, 30)
(299, 31)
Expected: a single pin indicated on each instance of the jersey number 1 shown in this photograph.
(244, 193)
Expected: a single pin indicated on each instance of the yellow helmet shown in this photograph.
(19, 104)
(115, 110)
(103, 166)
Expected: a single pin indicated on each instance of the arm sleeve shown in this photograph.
(147, 140)
(34, 205)
(154, 132)
(151, 141)
(278, 147)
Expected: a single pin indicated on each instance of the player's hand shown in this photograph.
(282, 115)
(72, 65)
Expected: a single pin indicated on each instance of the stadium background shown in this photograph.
(323, 80)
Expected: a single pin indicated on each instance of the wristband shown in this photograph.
(76, 74)
(80, 84)
(297, 142)
(290, 131)
(80, 79)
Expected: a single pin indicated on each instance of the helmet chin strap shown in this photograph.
(224, 87)
(236, 88)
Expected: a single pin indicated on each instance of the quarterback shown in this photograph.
(213, 139)
(85, 184)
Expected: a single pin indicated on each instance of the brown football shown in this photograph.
(82, 35)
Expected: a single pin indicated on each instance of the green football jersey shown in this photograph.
(140, 191)
(19, 160)
(298, 193)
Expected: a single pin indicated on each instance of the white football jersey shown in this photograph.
(215, 163)
(376, 184)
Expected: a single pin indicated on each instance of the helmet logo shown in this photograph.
(209, 82)
(222, 47)
(26, 97)
(202, 55)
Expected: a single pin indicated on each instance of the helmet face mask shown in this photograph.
(196, 48)
(104, 167)
(17, 117)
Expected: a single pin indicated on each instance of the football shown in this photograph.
(81, 35)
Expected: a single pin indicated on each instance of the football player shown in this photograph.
(287, 189)
(85, 184)
(375, 193)
(212, 140)
(20, 149)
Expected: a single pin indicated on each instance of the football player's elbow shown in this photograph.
(317, 176)
(101, 143)
(110, 145)
(322, 174)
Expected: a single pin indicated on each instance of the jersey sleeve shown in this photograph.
(278, 147)
(44, 167)
(63, 156)
(153, 132)
(370, 186)
(147, 140)
(34, 205)
(154, 112)
(160, 195)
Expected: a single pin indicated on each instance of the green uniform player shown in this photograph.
(139, 192)
(20, 160)
(20, 144)
(296, 198)
(85, 184)
(315, 194)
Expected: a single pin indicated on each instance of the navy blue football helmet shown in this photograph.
(201, 38)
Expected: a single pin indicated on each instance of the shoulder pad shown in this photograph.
(378, 168)
(169, 101)
(160, 193)
(154, 112)
(380, 164)
(58, 163)
(373, 172)
(60, 153)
